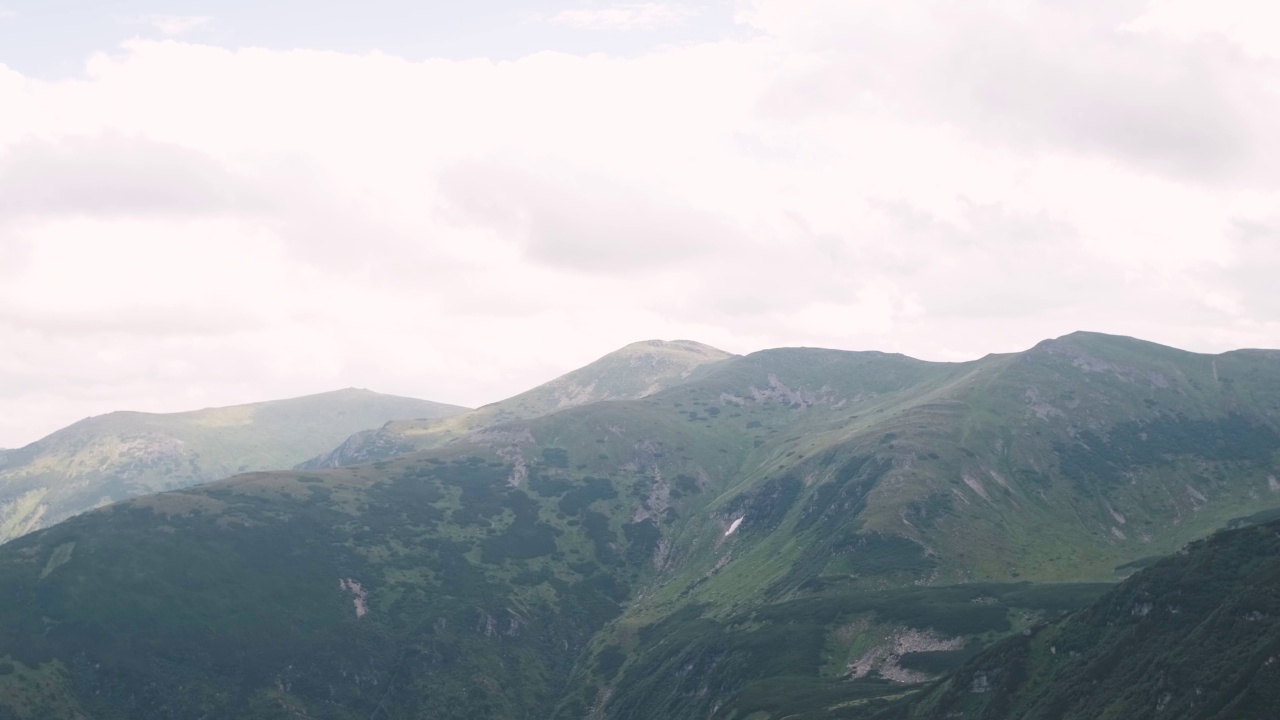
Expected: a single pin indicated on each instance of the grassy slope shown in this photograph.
(124, 454)
(1057, 464)
(577, 564)
(635, 371)
(1195, 636)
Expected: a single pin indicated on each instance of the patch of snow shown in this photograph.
(734, 527)
(1196, 495)
(1274, 483)
(361, 599)
(976, 485)
(1119, 518)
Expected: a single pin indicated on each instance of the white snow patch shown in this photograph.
(1274, 483)
(976, 485)
(734, 527)
(1197, 498)
(1119, 518)
(361, 595)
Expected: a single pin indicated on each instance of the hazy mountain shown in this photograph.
(788, 530)
(112, 457)
(636, 371)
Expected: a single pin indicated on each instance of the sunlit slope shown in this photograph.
(1067, 462)
(830, 522)
(635, 371)
(124, 454)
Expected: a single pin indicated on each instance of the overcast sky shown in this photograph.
(211, 203)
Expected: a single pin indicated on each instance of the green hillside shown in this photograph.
(124, 454)
(1197, 635)
(633, 372)
(793, 530)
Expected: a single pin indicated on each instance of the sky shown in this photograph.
(214, 203)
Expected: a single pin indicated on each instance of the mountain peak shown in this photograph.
(1098, 343)
(691, 346)
(631, 372)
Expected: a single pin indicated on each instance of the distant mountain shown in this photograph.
(1196, 635)
(633, 372)
(112, 457)
(792, 531)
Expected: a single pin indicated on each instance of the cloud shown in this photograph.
(1250, 25)
(589, 223)
(1036, 76)
(172, 25)
(636, 16)
(6, 13)
(115, 175)
(187, 225)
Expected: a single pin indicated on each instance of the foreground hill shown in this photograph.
(124, 454)
(633, 372)
(792, 526)
(1195, 636)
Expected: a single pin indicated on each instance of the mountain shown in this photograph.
(633, 372)
(1196, 635)
(111, 457)
(790, 530)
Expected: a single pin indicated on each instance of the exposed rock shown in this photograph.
(883, 659)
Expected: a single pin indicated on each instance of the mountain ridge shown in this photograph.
(116, 455)
(783, 525)
(630, 372)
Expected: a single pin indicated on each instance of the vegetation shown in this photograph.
(1196, 635)
(635, 371)
(794, 533)
(112, 457)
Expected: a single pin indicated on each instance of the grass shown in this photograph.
(547, 562)
(126, 454)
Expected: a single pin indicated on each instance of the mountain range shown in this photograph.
(670, 532)
(111, 457)
(633, 372)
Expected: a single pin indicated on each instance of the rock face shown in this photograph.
(112, 457)
(883, 658)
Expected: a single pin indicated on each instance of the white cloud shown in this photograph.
(6, 13)
(172, 25)
(1252, 25)
(636, 16)
(189, 225)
